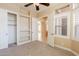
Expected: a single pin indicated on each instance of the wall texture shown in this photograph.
(68, 43)
(23, 12)
(75, 46)
(64, 42)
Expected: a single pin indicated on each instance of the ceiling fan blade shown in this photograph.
(28, 4)
(37, 7)
(45, 4)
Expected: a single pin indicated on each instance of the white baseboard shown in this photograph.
(75, 53)
(20, 43)
(34, 40)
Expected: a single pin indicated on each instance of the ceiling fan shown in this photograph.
(37, 5)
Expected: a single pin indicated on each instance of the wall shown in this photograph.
(69, 43)
(64, 42)
(21, 11)
(74, 41)
(14, 7)
(10, 7)
(75, 46)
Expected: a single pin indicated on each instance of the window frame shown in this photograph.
(74, 25)
(65, 14)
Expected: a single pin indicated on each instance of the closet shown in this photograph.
(16, 28)
(12, 29)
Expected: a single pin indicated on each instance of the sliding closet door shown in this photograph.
(12, 28)
(24, 30)
(3, 29)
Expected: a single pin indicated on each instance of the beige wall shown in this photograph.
(13, 7)
(24, 12)
(75, 46)
(64, 42)
(68, 42)
(16, 8)
(61, 41)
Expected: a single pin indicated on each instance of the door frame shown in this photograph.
(15, 13)
(42, 19)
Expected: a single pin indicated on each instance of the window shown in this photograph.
(64, 26)
(75, 5)
(76, 20)
(58, 26)
(76, 24)
(61, 26)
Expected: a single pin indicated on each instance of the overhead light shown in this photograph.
(36, 4)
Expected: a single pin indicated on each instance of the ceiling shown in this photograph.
(43, 9)
(32, 7)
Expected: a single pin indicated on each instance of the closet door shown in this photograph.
(24, 30)
(12, 28)
(3, 29)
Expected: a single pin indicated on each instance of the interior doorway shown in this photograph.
(39, 31)
(12, 30)
(43, 29)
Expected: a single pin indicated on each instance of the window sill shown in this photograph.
(66, 37)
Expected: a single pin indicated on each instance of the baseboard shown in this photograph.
(21, 43)
(34, 40)
(75, 53)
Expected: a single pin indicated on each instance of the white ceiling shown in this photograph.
(32, 8)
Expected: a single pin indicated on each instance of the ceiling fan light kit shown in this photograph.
(37, 5)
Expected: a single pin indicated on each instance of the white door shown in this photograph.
(3, 29)
(12, 28)
(34, 29)
(24, 30)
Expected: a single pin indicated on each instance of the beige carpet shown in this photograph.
(35, 48)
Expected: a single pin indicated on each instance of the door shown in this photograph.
(12, 28)
(3, 29)
(24, 30)
(34, 29)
